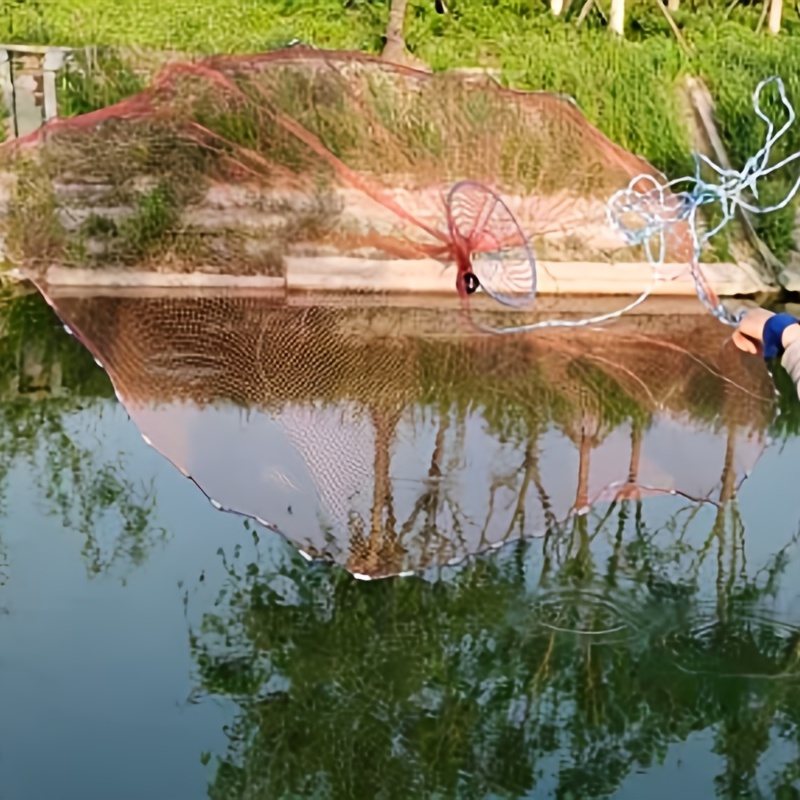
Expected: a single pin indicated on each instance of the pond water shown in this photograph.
(574, 594)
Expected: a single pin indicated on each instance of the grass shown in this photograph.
(33, 228)
(472, 32)
(156, 213)
(5, 115)
(102, 81)
(628, 88)
(198, 26)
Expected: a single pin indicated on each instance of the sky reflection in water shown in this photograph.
(156, 647)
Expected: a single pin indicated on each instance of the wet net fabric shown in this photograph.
(247, 162)
(380, 438)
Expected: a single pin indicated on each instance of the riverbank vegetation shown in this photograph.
(630, 86)
(457, 31)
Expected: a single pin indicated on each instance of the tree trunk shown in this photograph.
(375, 555)
(395, 47)
(775, 14)
(673, 5)
(584, 464)
(636, 454)
(557, 6)
(728, 487)
(616, 17)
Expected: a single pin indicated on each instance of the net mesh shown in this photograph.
(386, 439)
(240, 163)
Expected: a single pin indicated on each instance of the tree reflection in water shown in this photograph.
(390, 439)
(50, 391)
(557, 666)
(554, 667)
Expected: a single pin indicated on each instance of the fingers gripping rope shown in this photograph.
(644, 212)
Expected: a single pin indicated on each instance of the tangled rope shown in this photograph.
(659, 207)
(646, 210)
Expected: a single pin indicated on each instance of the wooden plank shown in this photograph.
(345, 274)
(75, 276)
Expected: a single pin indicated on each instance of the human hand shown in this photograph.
(749, 336)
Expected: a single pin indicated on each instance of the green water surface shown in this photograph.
(154, 647)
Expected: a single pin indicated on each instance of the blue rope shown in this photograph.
(664, 205)
(657, 207)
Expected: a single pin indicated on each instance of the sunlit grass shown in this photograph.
(197, 26)
(628, 88)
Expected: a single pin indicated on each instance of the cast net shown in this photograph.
(384, 439)
(302, 161)
(325, 161)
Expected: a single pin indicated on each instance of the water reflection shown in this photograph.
(391, 439)
(644, 648)
(53, 399)
(563, 667)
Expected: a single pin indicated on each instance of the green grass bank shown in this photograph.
(628, 87)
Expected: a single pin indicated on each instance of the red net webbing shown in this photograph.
(378, 437)
(242, 163)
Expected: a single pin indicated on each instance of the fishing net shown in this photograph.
(333, 162)
(382, 438)
(330, 162)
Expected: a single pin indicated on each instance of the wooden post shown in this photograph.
(53, 61)
(7, 90)
(616, 17)
(775, 14)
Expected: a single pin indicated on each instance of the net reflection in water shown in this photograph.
(391, 439)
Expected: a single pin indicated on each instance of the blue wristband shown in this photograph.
(773, 334)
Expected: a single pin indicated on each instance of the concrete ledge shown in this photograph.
(790, 280)
(336, 274)
(69, 276)
(340, 273)
(582, 306)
